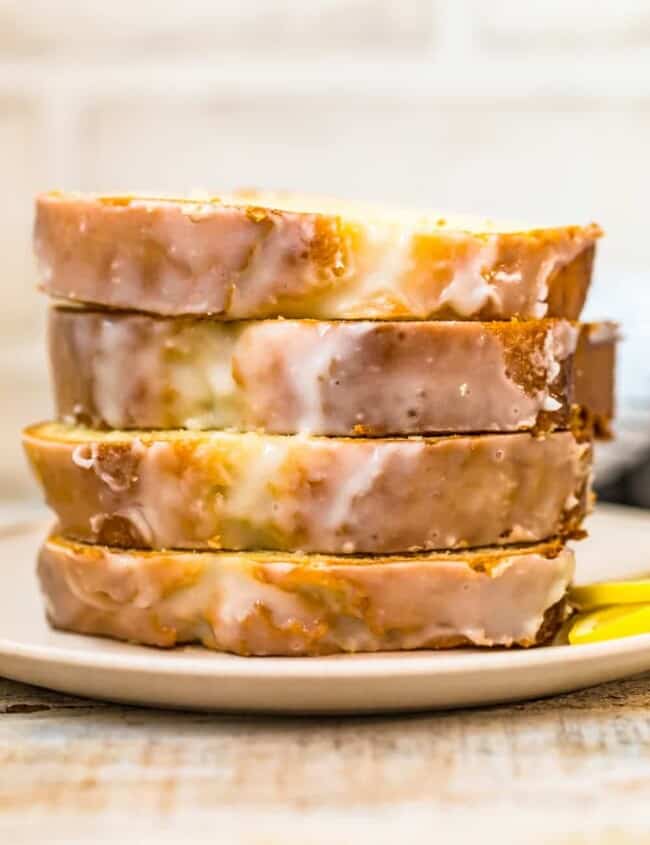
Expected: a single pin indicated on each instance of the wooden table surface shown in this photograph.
(570, 770)
(574, 769)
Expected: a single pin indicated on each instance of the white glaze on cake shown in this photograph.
(259, 256)
(331, 378)
(265, 603)
(243, 491)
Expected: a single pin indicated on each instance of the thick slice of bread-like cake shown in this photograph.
(184, 489)
(260, 255)
(116, 370)
(261, 603)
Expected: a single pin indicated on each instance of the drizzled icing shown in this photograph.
(560, 342)
(469, 291)
(223, 490)
(266, 604)
(288, 376)
(239, 261)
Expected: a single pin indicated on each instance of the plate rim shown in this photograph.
(193, 660)
(339, 667)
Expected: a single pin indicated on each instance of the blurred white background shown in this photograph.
(533, 111)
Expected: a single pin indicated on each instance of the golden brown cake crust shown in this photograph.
(359, 378)
(184, 489)
(254, 257)
(273, 603)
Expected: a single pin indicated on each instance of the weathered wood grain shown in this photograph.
(572, 769)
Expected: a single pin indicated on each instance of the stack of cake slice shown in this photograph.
(297, 427)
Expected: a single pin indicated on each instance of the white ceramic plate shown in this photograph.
(194, 678)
